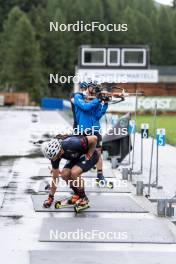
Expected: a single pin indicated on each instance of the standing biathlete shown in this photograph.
(97, 113)
(87, 117)
(81, 155)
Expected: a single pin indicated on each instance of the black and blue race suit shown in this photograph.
(75, 150)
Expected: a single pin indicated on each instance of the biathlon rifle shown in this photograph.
(107, 94)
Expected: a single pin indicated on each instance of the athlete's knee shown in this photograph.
(65, 174)
(75, 173)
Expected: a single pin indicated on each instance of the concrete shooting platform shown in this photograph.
(98, 203)
(122, 229)
(101, 257)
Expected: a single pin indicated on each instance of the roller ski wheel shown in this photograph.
(102, 183)
(110, 185)
(81, 205)
(58, 205)
(66, 202)
(47, 203)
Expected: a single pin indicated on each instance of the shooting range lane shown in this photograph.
(109, 230)
(18, 203)
(98, 203)
(100, 257)
(119, 187)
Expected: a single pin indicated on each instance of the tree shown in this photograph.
(154, 48)
(166, 38)
(60, 57)
(5, 7)
(145, 7)
(21, 66)
(6, 44)
(112, 14)
(25, 5)
(143, 29)
(129, 17)
(96, 14)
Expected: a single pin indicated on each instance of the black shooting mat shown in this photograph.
(110, 230)
(98, 203)
(101, 257)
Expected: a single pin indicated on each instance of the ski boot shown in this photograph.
(67, 202)
(81, 204)
(47, 203)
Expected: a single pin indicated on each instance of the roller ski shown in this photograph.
(47, 203)
(66, 202)
(81, 205)
(103, 183)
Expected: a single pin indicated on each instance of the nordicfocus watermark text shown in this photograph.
(89, 183)
(80, 26)
(79, 130)
(81, 234)
(113, 77)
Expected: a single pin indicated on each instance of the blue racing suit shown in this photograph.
(97, 114)
(87, 115)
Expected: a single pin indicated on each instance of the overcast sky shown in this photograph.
(165, 2)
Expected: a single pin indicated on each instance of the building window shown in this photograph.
(134, 57)
(113, 57)
(93, 56)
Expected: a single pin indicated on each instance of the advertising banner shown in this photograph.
(165, 104)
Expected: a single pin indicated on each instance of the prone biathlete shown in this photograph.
(81, 155)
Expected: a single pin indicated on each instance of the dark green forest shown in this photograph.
(29, 52)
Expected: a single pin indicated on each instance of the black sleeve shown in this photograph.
(55, 164)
